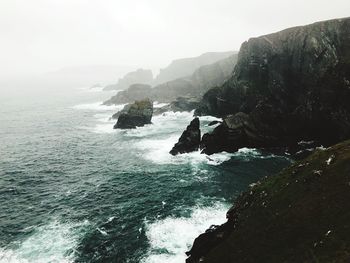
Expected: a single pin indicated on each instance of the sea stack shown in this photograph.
(189, 140)
(138, 114)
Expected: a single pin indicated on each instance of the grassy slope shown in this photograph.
(299, 215)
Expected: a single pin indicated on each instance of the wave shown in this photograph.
(98, 106)
(54, 242)
(171, 237)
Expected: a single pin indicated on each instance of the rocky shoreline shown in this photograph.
(299, 215)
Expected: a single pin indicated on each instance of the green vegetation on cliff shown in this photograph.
(299, 215)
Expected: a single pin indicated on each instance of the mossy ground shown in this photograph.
(299, 215)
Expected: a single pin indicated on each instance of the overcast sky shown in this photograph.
(45, 35)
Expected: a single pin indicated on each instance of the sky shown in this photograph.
(39, 36)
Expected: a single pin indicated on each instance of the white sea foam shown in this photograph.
(53, 242)
(171, 237)
(157, 104)
(98, 106)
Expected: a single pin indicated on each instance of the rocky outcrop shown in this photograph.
(140, 76)
(189, 140)
(134, 92)
(191, 86)
(138, 114)
(299, 215)
(293, 85)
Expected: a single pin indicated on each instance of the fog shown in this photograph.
(42, 36)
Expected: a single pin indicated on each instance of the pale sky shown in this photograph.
(45, 35)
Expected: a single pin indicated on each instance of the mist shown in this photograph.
(44, 36)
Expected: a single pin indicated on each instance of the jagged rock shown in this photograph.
(294, 85)
(125, 109)
(298, 215)
(188, 86)
(137, 115)
(235, 132)
(189, 140)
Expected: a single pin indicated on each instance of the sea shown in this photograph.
(73, 189)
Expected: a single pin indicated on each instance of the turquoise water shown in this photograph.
(72, 189)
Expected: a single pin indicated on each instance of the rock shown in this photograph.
(187, 86)
(285, 215)
(137, 115)
(189, 140)
(294, 85)
(125, 109)
(235, 132)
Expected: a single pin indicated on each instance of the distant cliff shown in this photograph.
(288, 86)
(299, 215)
(140, 76)
(185, 67)
(193, 86)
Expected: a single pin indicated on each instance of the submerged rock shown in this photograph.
(189, 140)
(138, 114)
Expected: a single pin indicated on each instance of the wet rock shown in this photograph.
(293, 84)
(137, 115)
(189, 140)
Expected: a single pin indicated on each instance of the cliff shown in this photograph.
(193, 86)
(186, 66)
(299, 215)
(140, 76)
(291, 85)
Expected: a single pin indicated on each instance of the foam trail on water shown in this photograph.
(54, 242)
(98, 106)
(171, 237)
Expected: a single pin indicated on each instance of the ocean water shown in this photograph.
(72, 189)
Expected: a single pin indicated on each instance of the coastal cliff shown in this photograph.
(290, 86)
(194, 85)
(299, 215)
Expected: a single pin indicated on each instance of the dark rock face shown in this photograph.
(299, 215)
(137, 115)
(189, 140)
(294, 85)
(236, 131)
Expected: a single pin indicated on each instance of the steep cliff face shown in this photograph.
(193, 86)
(299, 215)
(294, 85)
